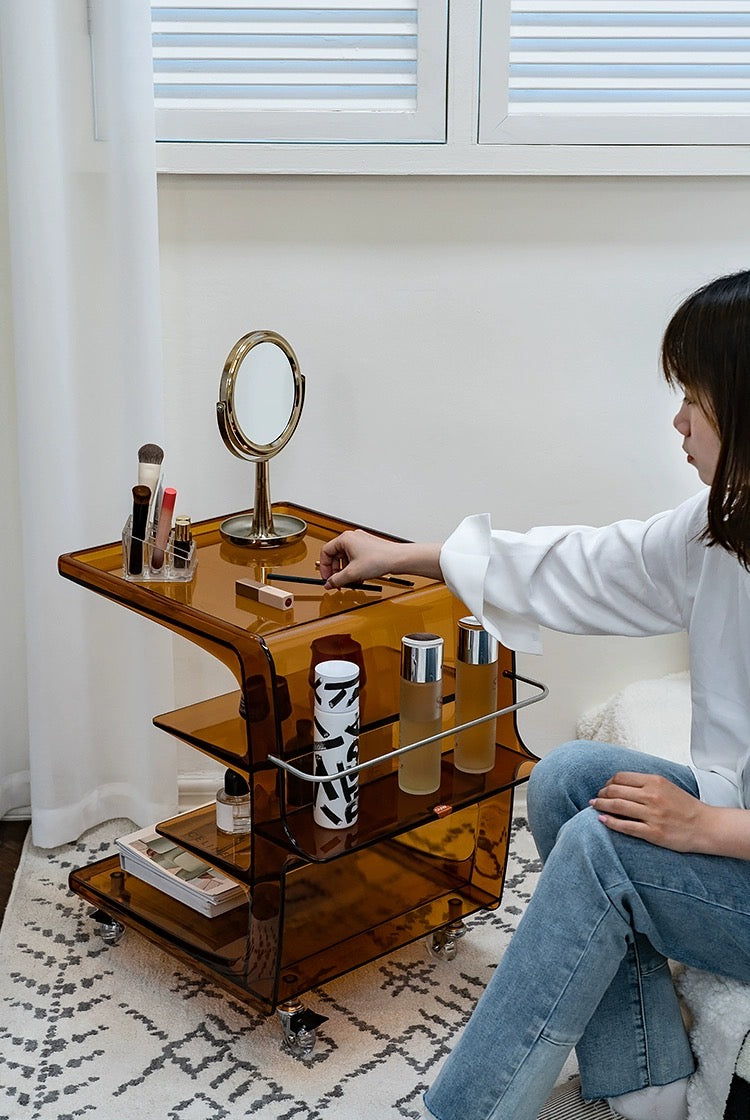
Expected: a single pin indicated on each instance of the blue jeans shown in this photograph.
(587, 966)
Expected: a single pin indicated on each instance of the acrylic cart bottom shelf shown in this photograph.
(319, 921)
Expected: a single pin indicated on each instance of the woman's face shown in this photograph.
(700, 440)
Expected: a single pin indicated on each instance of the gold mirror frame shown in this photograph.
(259, 528)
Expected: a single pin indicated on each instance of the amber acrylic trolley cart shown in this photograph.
(319, 902)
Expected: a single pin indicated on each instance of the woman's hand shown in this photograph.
(355, 556)
(654, 809)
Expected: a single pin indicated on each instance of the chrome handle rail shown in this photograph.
(543, 693)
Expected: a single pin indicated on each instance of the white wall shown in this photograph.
(469, 345)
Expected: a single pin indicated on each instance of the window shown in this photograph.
(627, 72)
(297, 71)
(642, 87)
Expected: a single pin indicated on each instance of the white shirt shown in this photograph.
(635, 578)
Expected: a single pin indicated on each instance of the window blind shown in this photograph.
(628, 71)
(297, 70)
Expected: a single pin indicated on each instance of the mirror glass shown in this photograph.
(264, 393)
(260, 402)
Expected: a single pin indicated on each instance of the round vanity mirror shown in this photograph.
(260, 402)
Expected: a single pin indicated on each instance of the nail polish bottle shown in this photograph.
(476, 695)
(421, 712)
(233, 804)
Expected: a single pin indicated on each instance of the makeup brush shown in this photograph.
(141, 496)
(150, 458)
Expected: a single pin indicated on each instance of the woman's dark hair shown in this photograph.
(706, 352)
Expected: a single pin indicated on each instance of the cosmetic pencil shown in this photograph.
(396, 580)
(321, 582)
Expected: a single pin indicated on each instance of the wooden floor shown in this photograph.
(12, 836)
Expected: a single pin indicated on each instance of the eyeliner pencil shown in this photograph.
(386, 579)
(321, 582)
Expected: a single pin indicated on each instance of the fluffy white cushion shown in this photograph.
(650, 716)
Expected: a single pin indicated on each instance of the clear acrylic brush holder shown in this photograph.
(177, 566)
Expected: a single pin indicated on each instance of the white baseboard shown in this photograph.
(196, 789)
(21, 813)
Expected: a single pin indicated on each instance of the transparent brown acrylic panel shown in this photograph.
(320, 902)
(313, 922)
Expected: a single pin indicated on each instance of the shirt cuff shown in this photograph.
(464, 559)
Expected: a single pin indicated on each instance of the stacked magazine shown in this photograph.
(180, 874)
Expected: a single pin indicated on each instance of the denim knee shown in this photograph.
(552, 774)
(559, 787)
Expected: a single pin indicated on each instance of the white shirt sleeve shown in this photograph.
(627, 578)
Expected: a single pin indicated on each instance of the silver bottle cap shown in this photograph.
(421, 658)
(475, 645)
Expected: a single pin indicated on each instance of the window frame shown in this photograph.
(498, 125)
(462, 153)
(426, 123)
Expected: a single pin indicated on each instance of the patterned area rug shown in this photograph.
(122, 1031)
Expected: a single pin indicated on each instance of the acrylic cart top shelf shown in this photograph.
(212, 591)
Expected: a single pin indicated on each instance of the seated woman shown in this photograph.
(645, 860)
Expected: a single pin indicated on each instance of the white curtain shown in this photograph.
(85, 392)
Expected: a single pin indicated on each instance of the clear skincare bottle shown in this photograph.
(476, 695)
(233, 805)
(421, 712)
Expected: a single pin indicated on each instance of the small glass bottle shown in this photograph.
(421, 712)
(476, 695)
(233, 805)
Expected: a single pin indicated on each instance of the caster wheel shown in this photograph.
(442, 944)
(299, 1027)
(109, 929)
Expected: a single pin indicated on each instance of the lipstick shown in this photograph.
(183, 541)
(262, 593)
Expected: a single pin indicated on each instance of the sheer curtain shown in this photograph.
(87, 392)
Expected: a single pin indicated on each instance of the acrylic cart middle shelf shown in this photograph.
(384, 811)
(318, 902)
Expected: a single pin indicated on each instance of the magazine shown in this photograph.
(165, 865)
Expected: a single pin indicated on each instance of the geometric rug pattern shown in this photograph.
(123, 1032)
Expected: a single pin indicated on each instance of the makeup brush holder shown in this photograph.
(178, 565)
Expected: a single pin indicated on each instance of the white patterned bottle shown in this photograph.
(336, 743)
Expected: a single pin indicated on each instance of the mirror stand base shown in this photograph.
(243, 530)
